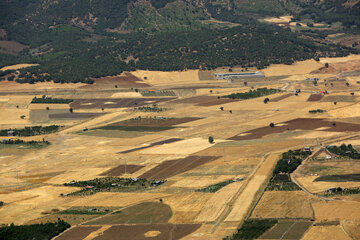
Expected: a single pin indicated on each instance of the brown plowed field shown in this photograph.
(173, 167)
(315, 97)
(170, 140)
(11, 47)
(120, 170)
(277, 99)
(138, 231)
(77, 233)
(205, 101)
(298, 123)
(115, 102)
(167, 122)
(74, 115)
(125, 80)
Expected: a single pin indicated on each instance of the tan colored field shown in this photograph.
(18, 66)
(326, 233)
(317, 187)
(126, 95)
(339, 209)
(201, 181)
(352, 228)
(280, 19)
(284, 204)
(298, 68)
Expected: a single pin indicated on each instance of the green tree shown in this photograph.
(211, 139)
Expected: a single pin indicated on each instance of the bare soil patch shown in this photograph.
(298, 123)
(73, 115)
(204, 101)
(147, 212)
(282, 97)
(115, 102)
(315, 97)
(173, 167)
(120, 170)
(206, 75)
(11, 47)
(170, 140)
(138, 231)
(77, 233)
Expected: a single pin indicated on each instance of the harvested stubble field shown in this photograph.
(141, 231)
(318, 124)
(326, 233)
(171, 168)
(339, 98)
(69, 115)
(204, 101)
(315, 97)
(77, 233)
(147, 212)
(170, 140)
(121, 169)
(279, 98)
(115, 102)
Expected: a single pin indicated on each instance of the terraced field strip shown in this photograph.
(173, 167)
(243, 203)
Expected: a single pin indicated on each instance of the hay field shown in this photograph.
(157, 78)
(335, 210)
(318, 187)
(326, 233)
(18, 66)
(284, 204)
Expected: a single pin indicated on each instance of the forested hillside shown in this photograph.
(80, 40)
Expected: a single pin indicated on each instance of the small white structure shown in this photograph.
(257, 74)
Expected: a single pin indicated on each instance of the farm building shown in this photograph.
(257, 74)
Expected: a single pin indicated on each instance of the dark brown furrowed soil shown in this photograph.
(77, 233)
(11, 47)
(170, 140)
(173, 167)
(277, 99)
(167, 122)
(115, 102)
(120, 170)
(204, 101)
(315, 97)
(299, 123)
(74, 115)
(137, 232)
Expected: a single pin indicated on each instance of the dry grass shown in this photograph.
(325, 233)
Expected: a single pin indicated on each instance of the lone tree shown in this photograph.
(245, 83)
(230, 111)
(352, 94)
(272, 125)
(326, 65)
(266, 100)
(70, 110)
(222, 108)
(47, 108)
(211, 139)
(335, 103)
(334, 124)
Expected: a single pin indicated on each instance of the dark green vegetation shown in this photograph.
(290, 161)
(30, 131)
(215, 187)
(343, 192)
(253, 228)
(339, 178)
(19, 141)
(111, 184)
(344, 151)
(50, 100)
(1, 203)
(42, 231)
(252, 93)
(317, 111)
(282, 182)
(82, 40)
(147, 212)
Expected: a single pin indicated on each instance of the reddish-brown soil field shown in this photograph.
(126, 81)
(299, 123)
(167, 122)
(205, 101)
(137, 232)
(10, 47)
(170, 140)
(315, 97)
(77, 233)
(115, 102)
(277, 99)
(173, 167)
(120, 170)
(74, 115)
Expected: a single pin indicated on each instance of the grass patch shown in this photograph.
(253, 228)
(215, 187)
(111, 184)
(321, 170)
(147, 212)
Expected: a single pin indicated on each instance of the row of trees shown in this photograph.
(253, 94)
(30, 131)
